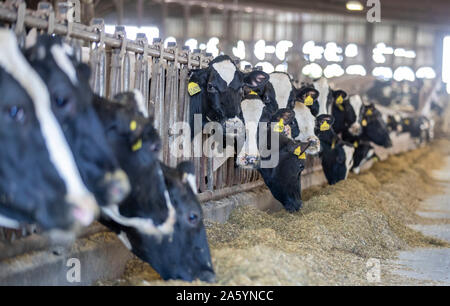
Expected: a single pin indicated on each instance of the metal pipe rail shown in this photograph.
(86, 33)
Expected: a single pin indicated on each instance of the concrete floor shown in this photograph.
(431, 265)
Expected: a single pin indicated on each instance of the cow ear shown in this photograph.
(256, 79)
(339, 94)
(328, 118)
(199, 76)
(186, 171)
(287, 115)
(304, 92)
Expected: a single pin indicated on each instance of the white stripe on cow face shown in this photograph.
(349, 150)
(226, 70)
(251, 110)
(59, 54)
(356, 103)
(139, 98)
(282, 86)
(12, 60)
(324, 89)
(305, 120)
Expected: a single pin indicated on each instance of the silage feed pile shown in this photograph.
(331, 239)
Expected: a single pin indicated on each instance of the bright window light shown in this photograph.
(150, 32)
(354, 6)
(266, 66)
(202, 46)
(446, 61)
(312, 70)
(351, 50)
(331, 52)
(281, 49)
(382, 72)
(314, 52)
(425, 73)
(243, 64)
(282, 67)
(192, 43)
(270, 49)
(404, 73)
(356, 70)
(239, 50)
(333, 70)
(168, 40)
(211, 46)
(260, 49)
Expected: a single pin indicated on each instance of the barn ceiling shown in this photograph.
(420, 11)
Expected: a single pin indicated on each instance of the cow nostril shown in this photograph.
(118, 187)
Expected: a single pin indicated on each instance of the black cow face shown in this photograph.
(38, 180)
(374, 128)
(216, 92)
(337, 160)
(363, 153)
(343, 111)
(72, 98)
(185, 254)
(283, 180)
(308, 95)
(324, 128)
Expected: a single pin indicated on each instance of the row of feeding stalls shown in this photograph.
(120, 64)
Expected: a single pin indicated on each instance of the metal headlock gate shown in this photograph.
(120, 64)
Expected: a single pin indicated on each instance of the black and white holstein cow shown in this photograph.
(40, 182)
(216, 93)
(161, 220)
(336, 155)
(282, 92)
(285, 159)
(71, 102)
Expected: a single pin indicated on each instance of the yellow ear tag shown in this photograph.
(369, 112)
(133, 125)
(339, 100)
(193, 88)
(364, 122)
(324, 126)
(299, 153)
(333, 143)
(407, 121)
(137, 146)
(279, 127)
(253, 93)
(356, 144)
(309, 101)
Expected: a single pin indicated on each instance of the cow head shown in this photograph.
(254, 111)
(39, 181)
(303, 128)
(308, 95)
(324, 128)
(283, 180)
(216, 92)
(363, 153)
(185, 253)
(374, 127)
(337, 160)
(71, 101)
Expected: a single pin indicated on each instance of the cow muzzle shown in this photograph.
(355, 129)
(117, 187)
(313, 145)
(84, 208)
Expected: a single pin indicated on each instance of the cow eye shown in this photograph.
(211, 88)
(193, 218)
(16, 113)
(61, 101)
